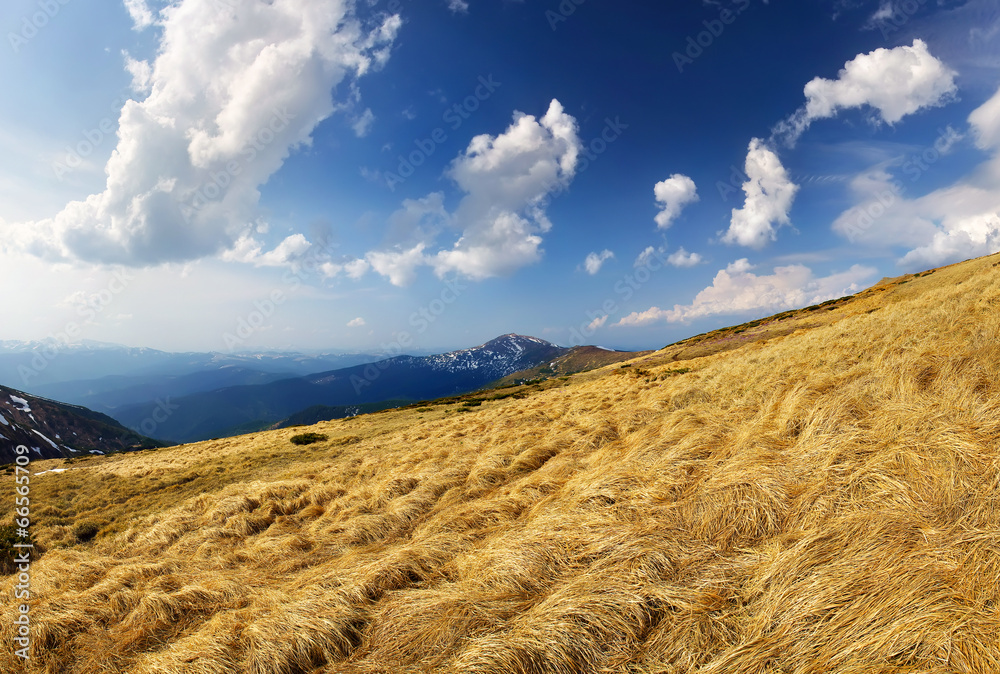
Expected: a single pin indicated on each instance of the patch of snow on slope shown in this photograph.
(54, 445)
(23, 404)
(4, 421)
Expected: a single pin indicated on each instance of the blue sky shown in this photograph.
(392, 175)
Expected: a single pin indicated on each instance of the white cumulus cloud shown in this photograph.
(769, 197)
(985, 122)
(234, 89)
(894, 82)
(595, 261)
(672, 195)
(142, 16)
(141, 72)
(736, 290)
(458, 6)
(399, 266)
(682, 258)
(948, 224)
(959, 240)
(507, 181)
(357, 323)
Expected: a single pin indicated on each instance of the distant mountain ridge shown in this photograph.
(55, 430)
(49, 363)
(108, 393)
(575, 360)
(413, 378)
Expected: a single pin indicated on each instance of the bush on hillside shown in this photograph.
(86, 530)
(308, 438)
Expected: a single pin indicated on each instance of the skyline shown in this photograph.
(349, 176)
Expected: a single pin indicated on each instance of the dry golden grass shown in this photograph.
(822, 501)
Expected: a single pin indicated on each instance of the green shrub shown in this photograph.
(86, 530)
(8, 537)
(308, 438)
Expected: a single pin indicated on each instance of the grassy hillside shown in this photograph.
(816, 493)
(577, 359)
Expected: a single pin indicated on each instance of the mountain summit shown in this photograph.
(498, 357)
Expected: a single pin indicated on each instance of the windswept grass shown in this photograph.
(826, 500)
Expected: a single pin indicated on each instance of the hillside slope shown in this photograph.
(54, 430)
(826, 500)
(575, 360)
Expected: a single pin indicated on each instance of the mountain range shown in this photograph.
(185, 397)
(89, 368)
(234, 409)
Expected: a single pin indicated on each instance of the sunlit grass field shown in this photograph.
(824, 498)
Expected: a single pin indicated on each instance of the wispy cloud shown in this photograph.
(946, 225)
(736, 290)
(893, 82)
(595, 261)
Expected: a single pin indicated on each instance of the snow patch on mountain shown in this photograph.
(499, 357)
(23, 404)
(54, 445)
